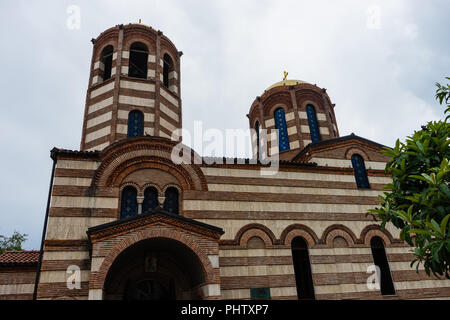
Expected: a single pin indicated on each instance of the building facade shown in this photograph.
(130, 223)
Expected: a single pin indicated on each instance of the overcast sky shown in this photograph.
(379, 61)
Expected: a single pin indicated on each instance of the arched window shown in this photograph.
(135, 124)
(258, 148)
(360, 172)
(313, 124)
(150, 199)
(280, 124)
(106, 59)
(380, 260)
(302, 269)
(171, 201)
(167, 69)
(138, 60)
(128, 206)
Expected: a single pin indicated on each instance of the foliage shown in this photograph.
(12, 243)
(419, 199)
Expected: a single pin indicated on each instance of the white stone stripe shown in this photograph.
(294, 144)
(292, 130)
(320, 116)
(324, 130)
(362, 287)
(66, 181)
(289, 116)
(62, 276)
(137, 86)
(168, 112)
(151, 58)
(100, 119)
(99, 147)
(99, 65)
(136, 101)
(126, 54)
(347, 163)
(271, 206)
(66, 255)
(174, 89)
(84, 202)
(100, 105)
(74, 164)
(173, 75)
(264, 270)
(167, 125)
(292, 190)
(168, 97)
(287, 175)
(98, 134)
(124, 70)
(305, 129)
(102, 90)
(254, 252)
(356, 267)
(270, 123)
(235, 294)
(23, 288)
(150, 74)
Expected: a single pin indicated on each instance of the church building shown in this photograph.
(125, 222)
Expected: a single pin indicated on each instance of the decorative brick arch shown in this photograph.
(127, 155)
(338, 230)
(298, 230)
(352, 150)
(375, 230)
(255, 230)
(252, 230)
(98, 279)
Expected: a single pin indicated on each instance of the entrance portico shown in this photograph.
(156, 255)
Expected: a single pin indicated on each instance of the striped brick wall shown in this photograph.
(238, 198)
(17, 283)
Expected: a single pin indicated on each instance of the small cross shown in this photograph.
(285, 75)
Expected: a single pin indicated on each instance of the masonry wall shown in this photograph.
(321, 204)
(17, 283)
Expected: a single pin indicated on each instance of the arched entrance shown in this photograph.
(155, 269)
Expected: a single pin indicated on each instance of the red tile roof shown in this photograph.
(19, 257)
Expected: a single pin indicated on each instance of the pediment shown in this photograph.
(157, 217)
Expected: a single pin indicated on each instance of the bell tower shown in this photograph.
(302, 113)
(134, 87)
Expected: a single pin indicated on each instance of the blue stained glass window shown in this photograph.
(360, 172)
(171, 201)
(135, 124)
(150, 199)
(280, 124)
(312, 122)
(129, 203)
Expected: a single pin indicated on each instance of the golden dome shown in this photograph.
(285, 83)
